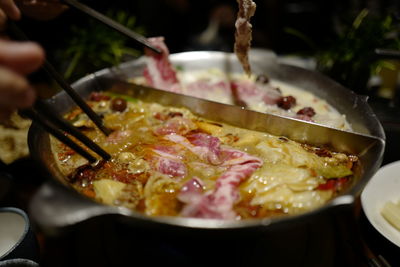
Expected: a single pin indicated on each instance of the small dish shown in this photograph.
(18, 263)
(17, 240)
(383, 187)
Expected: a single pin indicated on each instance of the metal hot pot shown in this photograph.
(311, 239)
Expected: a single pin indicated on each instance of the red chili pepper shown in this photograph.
(329, 185)
(333, 184)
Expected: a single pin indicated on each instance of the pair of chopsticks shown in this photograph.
(57, 126)
(46, 117)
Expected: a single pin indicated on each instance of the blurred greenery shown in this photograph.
(349, 58)
(94, 46)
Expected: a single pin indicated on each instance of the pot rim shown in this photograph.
(346, 199)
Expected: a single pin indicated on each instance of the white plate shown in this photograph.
(383, 187)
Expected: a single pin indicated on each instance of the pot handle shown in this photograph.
(55, 207)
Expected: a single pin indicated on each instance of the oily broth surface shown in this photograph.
(293, 177)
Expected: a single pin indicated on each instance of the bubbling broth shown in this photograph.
(166, 161)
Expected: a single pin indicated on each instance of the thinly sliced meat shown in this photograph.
(175, 125)
(215, 91)
(249, 93)
(243, 32)
(236, 157)
(211, 143)
(207, 147)
(218, 204)
(167, 151)
(159, 71)
(171, 167)
(118, 136)
(191, 191)
(166, 159)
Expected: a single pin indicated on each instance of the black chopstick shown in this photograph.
(112, 24)
(64, 85)
(43, 122)
(64, 125)
(77, 98)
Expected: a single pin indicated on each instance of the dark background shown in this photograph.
(181, 20)
(307, 28)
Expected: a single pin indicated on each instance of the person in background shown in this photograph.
(18, 59)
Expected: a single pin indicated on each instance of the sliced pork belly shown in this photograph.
(167, 161)
(243, 32)
(249, 94)
(218, 204)
(176, 125)
(207, 150)
(159, 71)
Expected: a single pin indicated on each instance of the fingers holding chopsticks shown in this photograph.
(17, 59)
(21, 57)
(15, 91)
(10, 9)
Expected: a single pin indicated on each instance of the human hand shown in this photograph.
(17, 59)
(8, 9)
(40, 9)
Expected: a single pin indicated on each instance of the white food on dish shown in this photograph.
(391, 212)
(382, 188)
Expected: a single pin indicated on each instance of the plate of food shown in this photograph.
(381, 202)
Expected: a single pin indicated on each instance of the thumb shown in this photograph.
(10, 8)
(21, 57)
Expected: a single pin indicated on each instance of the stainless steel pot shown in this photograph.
(56, 206)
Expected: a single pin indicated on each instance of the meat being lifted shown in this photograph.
(243, 32)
